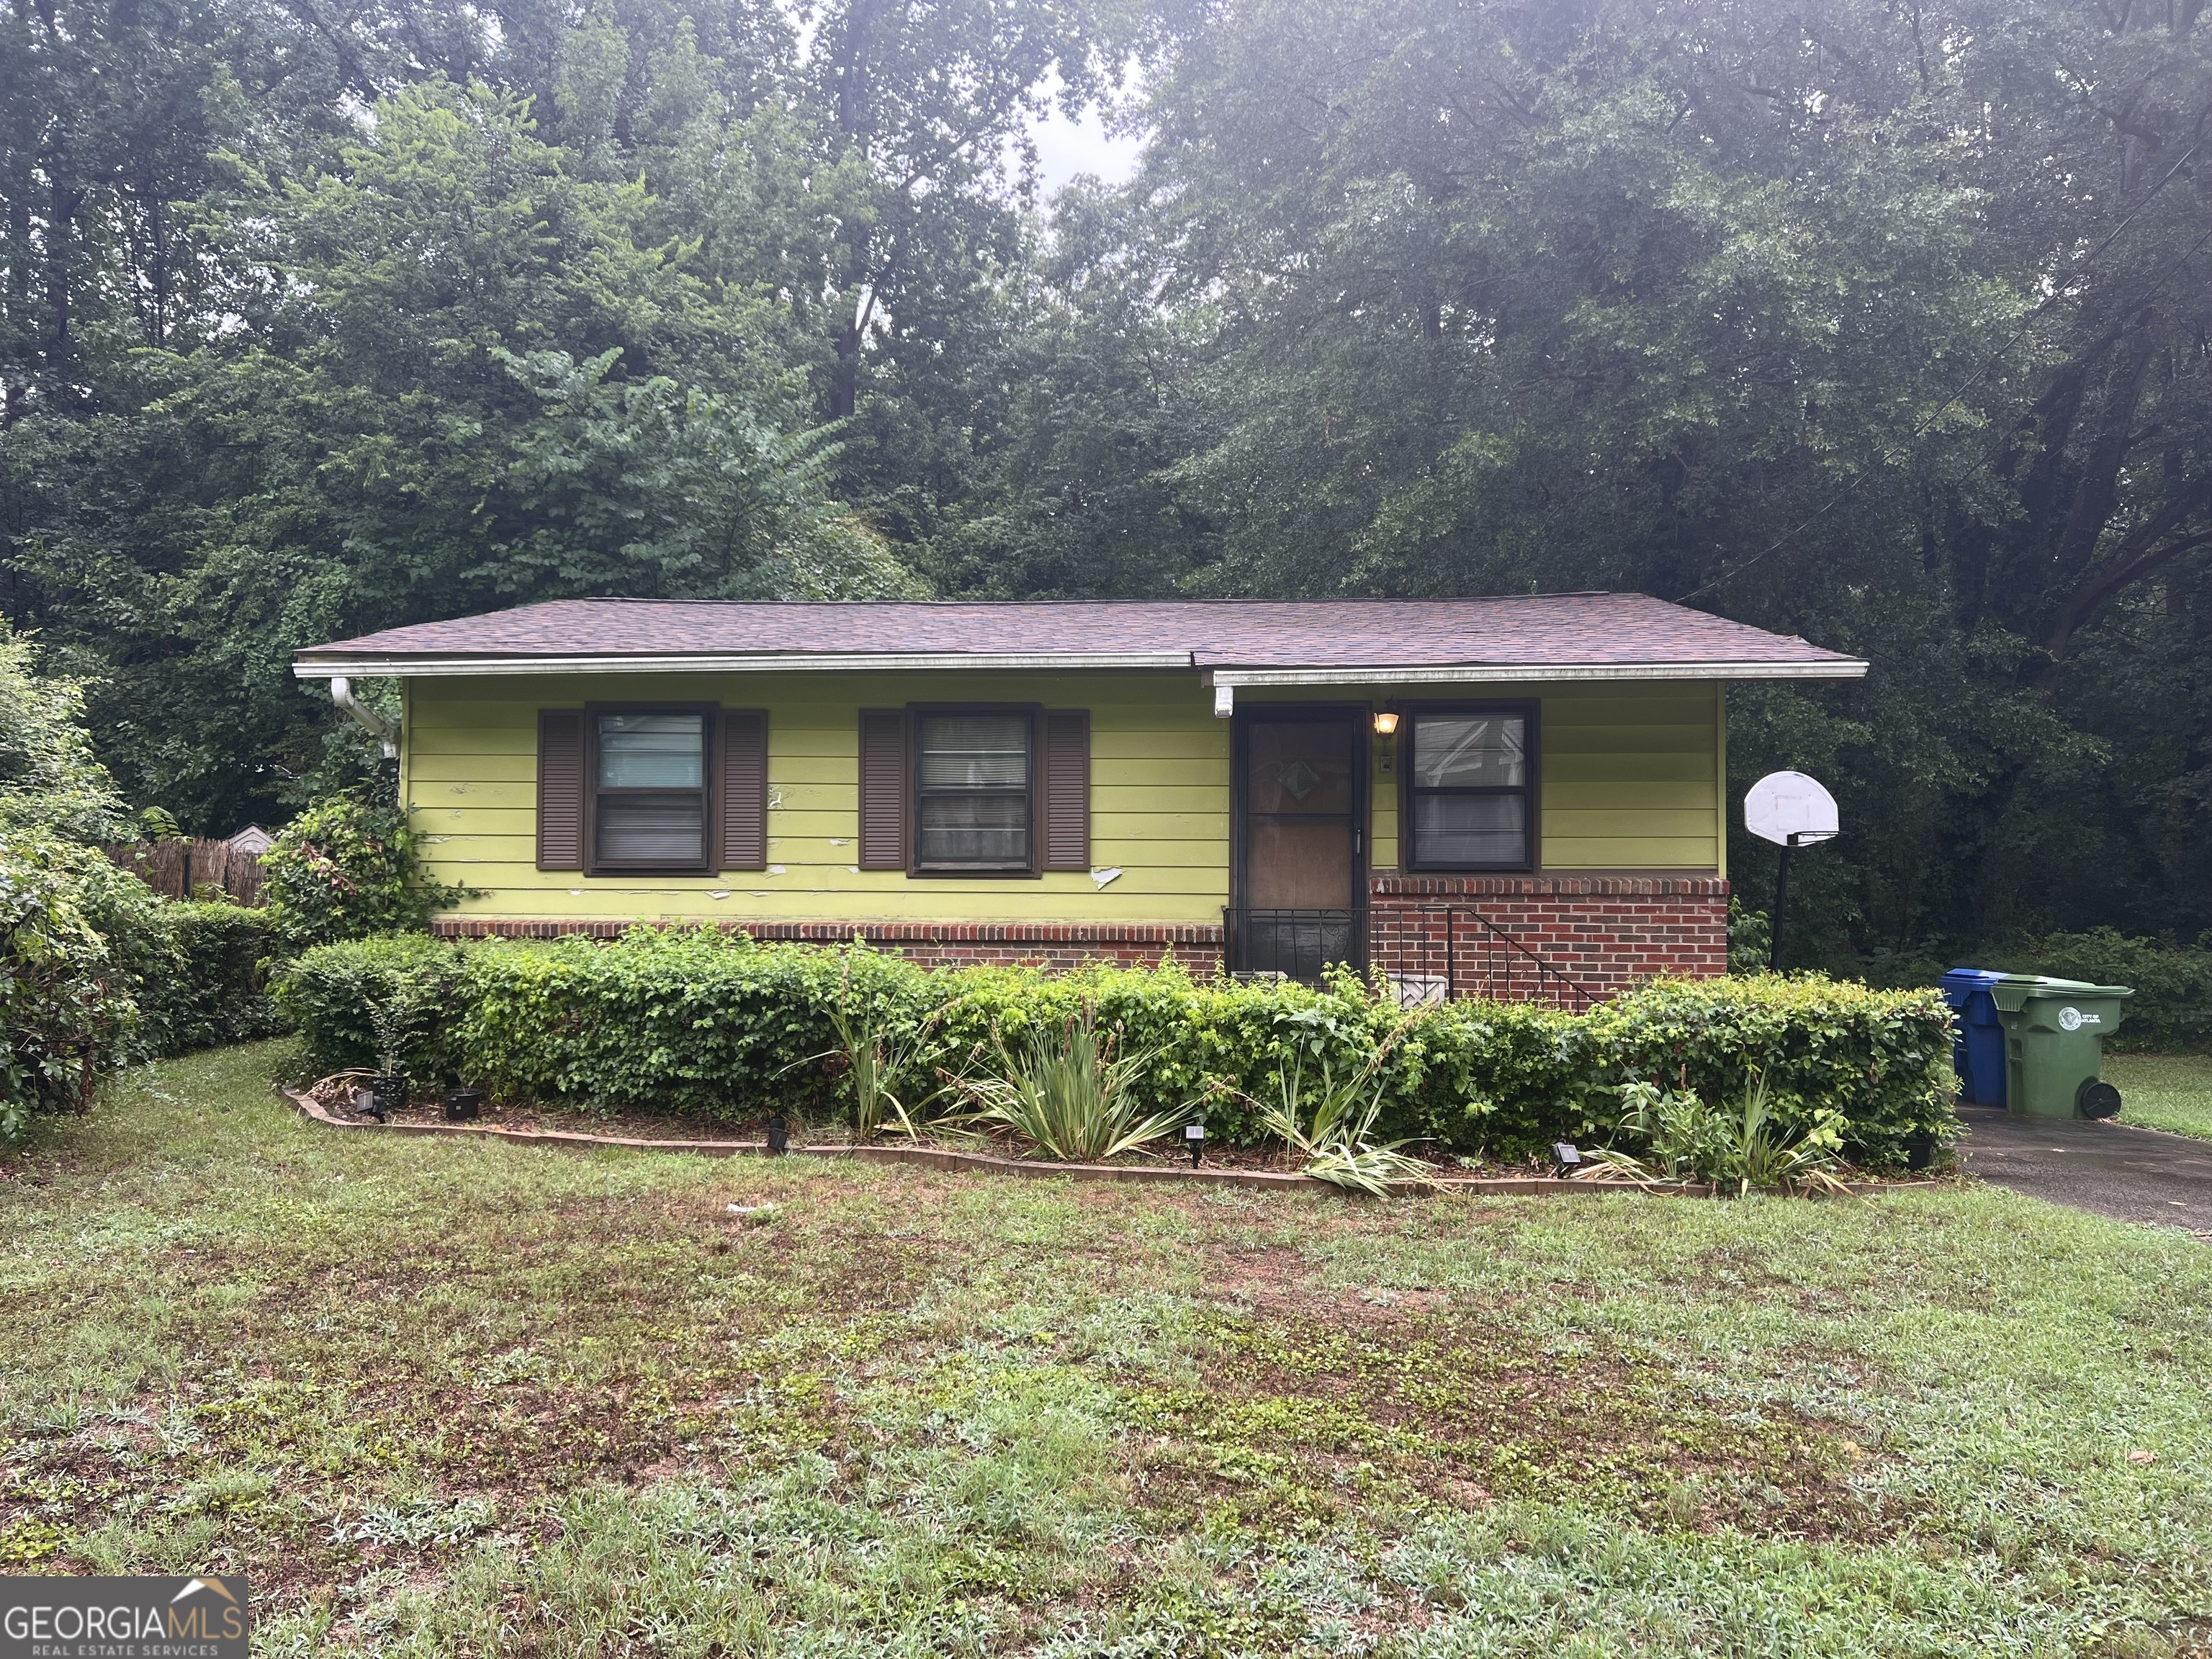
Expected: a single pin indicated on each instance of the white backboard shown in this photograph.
(1789, 809)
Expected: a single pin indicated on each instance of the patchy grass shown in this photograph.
(445, 1397)
(2164, 1091)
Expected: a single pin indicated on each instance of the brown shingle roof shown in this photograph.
(1620, 630)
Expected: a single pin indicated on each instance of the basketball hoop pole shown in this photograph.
(1782, 894)
(1781, 904)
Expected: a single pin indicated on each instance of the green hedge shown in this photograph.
(719, 1026)
(217, 991)
(98, 970)
(330, 995)
(78, 939)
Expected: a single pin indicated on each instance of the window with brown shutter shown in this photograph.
(559, 789)
(648, 772)
(975, 782)
(1067, 789)
(882, 789)
(745, 789)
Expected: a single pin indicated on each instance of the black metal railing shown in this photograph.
(1428, 953)
(1299, 944)
(1436, 953)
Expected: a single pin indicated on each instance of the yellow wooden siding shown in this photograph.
(1159, 803)
(1631, 777)
(1630, 781)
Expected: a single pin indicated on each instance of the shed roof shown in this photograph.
(1234, 641)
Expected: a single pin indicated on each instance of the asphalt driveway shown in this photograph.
(2135, 1174)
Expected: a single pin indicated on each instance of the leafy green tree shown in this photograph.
(477, 385)
(1863, 322)
(50, 778)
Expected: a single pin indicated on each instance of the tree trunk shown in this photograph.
(854, 126)
(60, 345)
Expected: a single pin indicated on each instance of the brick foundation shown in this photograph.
(1599, 933)
(1479, 934)
(1056, 946)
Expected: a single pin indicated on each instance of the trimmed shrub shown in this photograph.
(219, 991)
(1881, 1058)
(346, 868)
(78, 940)
(706, 1023)
(347, 999)
(687, 1021)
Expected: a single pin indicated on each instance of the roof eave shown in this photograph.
(312, 667)
(1823, 668)
(363, 665)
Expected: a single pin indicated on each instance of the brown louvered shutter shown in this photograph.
(882, 789)
(559, 789)
(745, 789)
(1067, 789)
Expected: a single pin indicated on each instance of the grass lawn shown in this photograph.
(2164, 1091)
(442, 1397)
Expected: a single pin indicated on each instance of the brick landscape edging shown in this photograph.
(938, 1158)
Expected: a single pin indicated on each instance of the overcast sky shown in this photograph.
(1065, 147)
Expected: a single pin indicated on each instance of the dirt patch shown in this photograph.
(1298, 1412)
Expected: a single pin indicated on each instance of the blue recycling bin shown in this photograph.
(1977, 1050)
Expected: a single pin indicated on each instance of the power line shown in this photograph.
(1963, 387)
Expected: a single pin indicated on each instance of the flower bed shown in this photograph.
(716, 1027)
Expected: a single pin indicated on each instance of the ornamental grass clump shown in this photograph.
(1329, 1121)
(887, 1055)
(1686, 1137)
(1063, 1088)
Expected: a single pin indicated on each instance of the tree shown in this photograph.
(50, 778)
(1881, 325)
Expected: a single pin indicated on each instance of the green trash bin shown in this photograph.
(2055, 1032)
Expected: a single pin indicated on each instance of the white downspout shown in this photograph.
(341, 694)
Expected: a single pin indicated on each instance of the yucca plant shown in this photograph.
(1767, 1155)
(1329, 1121)
(1683, 1138)
(882, 1062)
(1063, 1088)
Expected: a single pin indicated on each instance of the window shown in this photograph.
(649, 791)
(972, 793)
(1468, 791)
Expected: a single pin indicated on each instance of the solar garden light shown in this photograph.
(1566, 1158)
(779, 1134)
(1194, 1136)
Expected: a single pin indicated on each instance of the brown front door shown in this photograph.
(1300, 872)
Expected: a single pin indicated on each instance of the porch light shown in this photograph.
(1386, 722)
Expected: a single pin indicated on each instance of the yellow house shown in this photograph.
(1519, 795)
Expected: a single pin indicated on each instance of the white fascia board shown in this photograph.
(1499, 673)
(323, 668)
